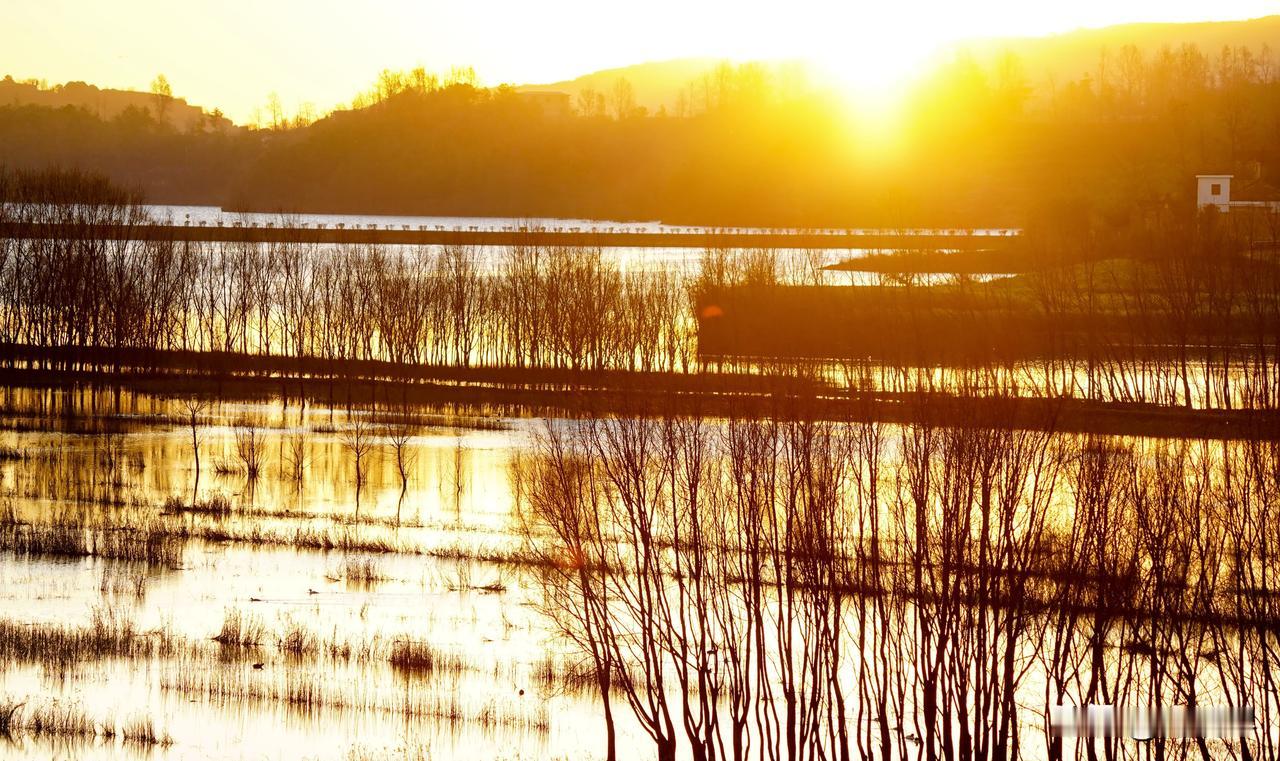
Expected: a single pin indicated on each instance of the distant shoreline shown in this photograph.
(241, 234)
(529, 392)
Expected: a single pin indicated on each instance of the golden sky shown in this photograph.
(233, 53)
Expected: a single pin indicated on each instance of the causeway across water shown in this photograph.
(879, 240)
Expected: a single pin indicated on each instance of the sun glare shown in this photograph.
(871, 54)
(870, 57)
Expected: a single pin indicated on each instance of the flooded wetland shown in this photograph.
(153, 612)
(276, 499)
(213, 609)
(906, 388)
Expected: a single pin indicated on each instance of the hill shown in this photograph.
(976, 148)
(108, 104)
(654, 85)
(1059, 58)
(675, 86)
(1047, 61)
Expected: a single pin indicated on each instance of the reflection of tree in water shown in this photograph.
(788, 587)
(456, 479)
(400, 438)
(357, 439)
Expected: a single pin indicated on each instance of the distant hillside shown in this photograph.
(1073, 55)
(107, 104)
(974, 148)
(654, 85)
(1053, 59)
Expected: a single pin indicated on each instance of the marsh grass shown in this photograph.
(9, 709)
(362, 570)
(554, 675)
(423, 659)
(217, 504)
(12, 454)
(68, 483)
(109, 633)
(298, 641)
(463, 580)
(462, 422)
(241, 630)
(352, 539)
(445, 420)
(56, 718)
(312, 692)
(142, 730)
(224, 467)
(406, 752)
(141, 532)
(344, 538)
(150, 541)
(119, 582)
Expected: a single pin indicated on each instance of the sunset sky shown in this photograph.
(233, 53)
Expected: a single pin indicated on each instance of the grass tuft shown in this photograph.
(142, 730)
(55, 718)
(362, 569)
(217, 504)
(298, 641)
(422, 658)
(241, 630)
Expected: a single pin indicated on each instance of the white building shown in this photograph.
(1215, 190)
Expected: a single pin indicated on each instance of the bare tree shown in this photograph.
(249, 449)
(195, 407)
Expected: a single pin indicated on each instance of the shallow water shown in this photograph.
(420, 635)
(211, 699)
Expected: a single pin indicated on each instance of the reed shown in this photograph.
(362, 569)
(310, 693)
(60, 719)
(554, 675)
(405, 752)
(241, 630)
(215, 504)
(56, 718)
(10, 719)
(142, 730)
(423, 659)
(117, 582)
(109, 634)
(298, 641)
(150, 542)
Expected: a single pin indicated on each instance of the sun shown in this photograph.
(868, 66)
(871, 56)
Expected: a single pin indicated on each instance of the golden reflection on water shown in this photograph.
(101, 454)
(292, 624)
